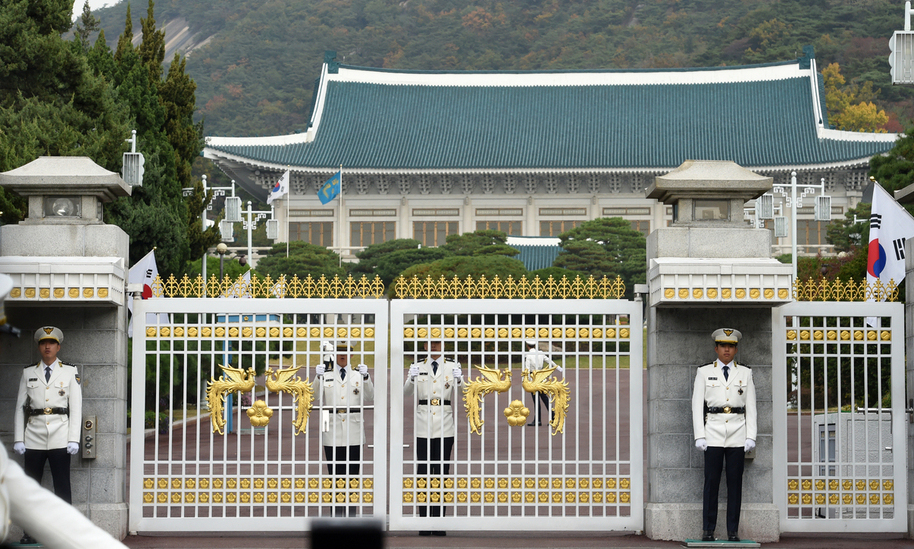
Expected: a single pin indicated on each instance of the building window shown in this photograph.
(563, 211)
(642, 225)
(555, 228)
(366, 233)
(499, 212)
(810, 232)
(509, 227)
(439, 212)
(622, 212)
(317, 233)
(434, 233)
(373, 213)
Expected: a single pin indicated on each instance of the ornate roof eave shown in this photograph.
(329, 170)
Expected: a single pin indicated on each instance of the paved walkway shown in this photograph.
(505, 540)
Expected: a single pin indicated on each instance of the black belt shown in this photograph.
(726, 410)
(434, 402)
(347, 410)
(49, 411)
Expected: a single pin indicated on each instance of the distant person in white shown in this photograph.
(534, 360)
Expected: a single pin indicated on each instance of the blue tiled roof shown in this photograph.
(536, 257)
(375, 125)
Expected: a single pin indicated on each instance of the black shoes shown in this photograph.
(424, 533)
(707, 535)
(439, 533)
(27, 540)
(731, 536)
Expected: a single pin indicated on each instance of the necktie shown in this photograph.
(47, 373)
(343, 373)
(726, 372)
(434, 366)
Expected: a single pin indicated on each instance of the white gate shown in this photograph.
(840, 459)
(257, 471)
(583, 472)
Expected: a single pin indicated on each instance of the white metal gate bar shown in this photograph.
(839, 425)
(589, 477)
(185, 477)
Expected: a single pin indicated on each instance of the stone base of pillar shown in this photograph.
(679, 521)
(911, 520)
(110, 517)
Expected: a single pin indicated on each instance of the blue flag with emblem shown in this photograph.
(331, 188)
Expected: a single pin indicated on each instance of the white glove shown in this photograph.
(559, 368)
(701, 444)
(750, 445)
(363, 369)
(72, 448)
(326, 346)
(320, 369)
(458, 372)
(19, 448)
(413, 371)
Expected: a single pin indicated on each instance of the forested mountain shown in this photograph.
(255, 61)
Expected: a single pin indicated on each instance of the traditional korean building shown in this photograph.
(426, 154)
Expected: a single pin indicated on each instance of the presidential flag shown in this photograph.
(331, 188)
(145, 272)
(890, 226)
(279, 189)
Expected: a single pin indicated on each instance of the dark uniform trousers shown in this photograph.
(432, 453)
(735, 458)
(59, 460)
(343, 460)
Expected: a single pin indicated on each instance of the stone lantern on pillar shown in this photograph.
(709, 269)
(69, 269)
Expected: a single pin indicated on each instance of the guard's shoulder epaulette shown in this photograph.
(26, 367)
(741, 365)
(62, 363)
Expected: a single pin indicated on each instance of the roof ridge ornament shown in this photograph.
(333, 66)
(809, 53)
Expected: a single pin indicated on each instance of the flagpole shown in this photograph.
(341, 215)
(288, 197)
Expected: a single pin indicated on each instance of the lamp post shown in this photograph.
(253, 216)
(822, 210)
(217, 191)
(221, 248)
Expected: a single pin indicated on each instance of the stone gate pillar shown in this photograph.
(708, 270)
(69, 269)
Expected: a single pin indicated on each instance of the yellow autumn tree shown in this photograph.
(850, 106)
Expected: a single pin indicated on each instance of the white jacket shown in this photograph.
(43, 515)
(47, 432)
(435, 420)
(344, 400)
(721, 429)
(534, 360)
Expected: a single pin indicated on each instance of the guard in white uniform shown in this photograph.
(25, 503)
(343, 392)
(437, 384)
(725, 425)
(534, 360)
(49, 395)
